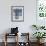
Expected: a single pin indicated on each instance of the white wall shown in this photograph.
(29, 15)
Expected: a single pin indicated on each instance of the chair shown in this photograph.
(14, 32)
(25, 43)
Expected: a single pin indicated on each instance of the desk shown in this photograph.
(17, 43)
(8, 34)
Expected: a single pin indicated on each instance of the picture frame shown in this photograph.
(41, 9)
(17, 13)
(40, 12)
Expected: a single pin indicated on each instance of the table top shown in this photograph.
(9, 34)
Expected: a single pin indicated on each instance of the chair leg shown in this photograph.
(5, 43)
(5, 40)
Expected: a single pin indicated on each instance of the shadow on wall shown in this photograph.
(7, 31)
(3, 33)
(32, 30)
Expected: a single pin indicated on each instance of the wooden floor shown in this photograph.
(13, 44)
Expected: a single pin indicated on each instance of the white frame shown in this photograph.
(21, 18)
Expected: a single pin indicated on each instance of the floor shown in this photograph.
(13, 44)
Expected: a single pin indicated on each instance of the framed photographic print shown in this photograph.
(41, 12)
(17, 13)
(41, 8)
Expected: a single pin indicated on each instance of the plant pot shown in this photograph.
(40, 41)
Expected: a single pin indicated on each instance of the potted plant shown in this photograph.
(35, 26)
(39, 35)
(38, 27)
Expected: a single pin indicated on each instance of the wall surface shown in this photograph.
(29, 15)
